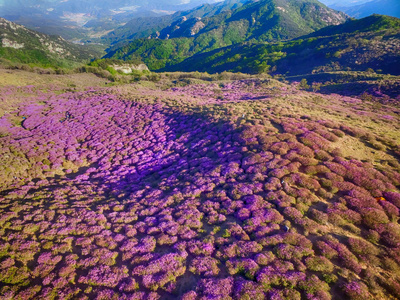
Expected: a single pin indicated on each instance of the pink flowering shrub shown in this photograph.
(104, 276)
(206, 266)
(319, 264)
(216, 288)
(244, 289)
(247, 267)
(357, 290)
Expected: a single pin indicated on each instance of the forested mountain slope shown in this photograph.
(267, 20)
(372, 42)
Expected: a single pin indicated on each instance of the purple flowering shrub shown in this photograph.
(184, 193)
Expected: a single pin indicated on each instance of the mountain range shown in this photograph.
(274, 36)
(369, 43)
(360, 10)
(76, 19)
(108, 22)
(267, 20)
(144, 27)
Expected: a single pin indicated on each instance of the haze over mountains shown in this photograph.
(364, 8)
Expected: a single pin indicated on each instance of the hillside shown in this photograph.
(195, 187)
(21, 45)
(369, 43)
(266, 20)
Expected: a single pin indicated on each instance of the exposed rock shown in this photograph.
(12, 44)
(197, 27)
(129, 68)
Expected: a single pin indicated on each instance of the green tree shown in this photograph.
(304, 84)
(316, 86)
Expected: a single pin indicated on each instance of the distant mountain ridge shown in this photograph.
(383, 7)
(343, 3)
(21, 45)
(266, 20)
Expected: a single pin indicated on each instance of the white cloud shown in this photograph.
(159, 11)
(130, 8)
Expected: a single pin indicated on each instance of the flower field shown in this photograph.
(246, 189)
